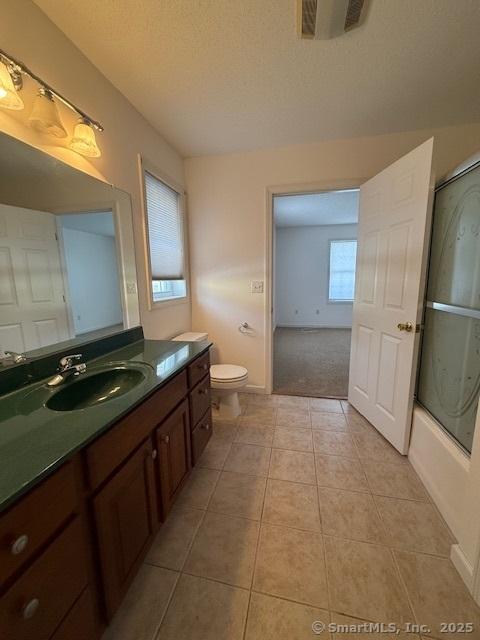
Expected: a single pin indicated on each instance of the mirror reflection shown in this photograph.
(67, 261)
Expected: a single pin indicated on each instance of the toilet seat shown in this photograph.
(227, 375)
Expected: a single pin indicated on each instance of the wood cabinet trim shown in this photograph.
(169, 484)
(112, 448)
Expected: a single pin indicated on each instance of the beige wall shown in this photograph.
(27, 34)
(227, 209)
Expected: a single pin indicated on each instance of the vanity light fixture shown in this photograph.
(45, 116)
(84, 141)
(9, 98)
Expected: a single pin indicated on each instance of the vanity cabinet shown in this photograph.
(80, 623)
(174, 455)
(126, 521)
(201, 434)
(70, 548)
(36, 603)
(30, 524)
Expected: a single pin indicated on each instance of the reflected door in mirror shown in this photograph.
(32, 296)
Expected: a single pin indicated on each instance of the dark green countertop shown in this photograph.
(35, 440)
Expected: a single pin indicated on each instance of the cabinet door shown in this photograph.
(174, 457)
(80, 623)
(126, 520)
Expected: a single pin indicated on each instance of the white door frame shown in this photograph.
(283, 190)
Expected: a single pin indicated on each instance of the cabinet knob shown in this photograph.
(154, 453)
(19, 545)
(165, 439)
(30, 609)
(203, 367)
(206, 426)
(203, 391)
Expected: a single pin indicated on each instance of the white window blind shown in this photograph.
(341, 285)
(165, 232)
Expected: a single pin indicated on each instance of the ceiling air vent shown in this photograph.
(309, 18)
(324, 19)
(354, 12)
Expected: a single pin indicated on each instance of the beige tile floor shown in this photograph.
(299, 511)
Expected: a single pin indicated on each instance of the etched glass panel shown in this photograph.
(455, 255)
(449, 379)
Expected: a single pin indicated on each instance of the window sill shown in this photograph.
(168, 302)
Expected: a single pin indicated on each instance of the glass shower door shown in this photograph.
(449, 379)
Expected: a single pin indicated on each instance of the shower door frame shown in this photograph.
(464, 168)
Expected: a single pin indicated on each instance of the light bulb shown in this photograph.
(83, 140)
(9, 97)
(45, 117)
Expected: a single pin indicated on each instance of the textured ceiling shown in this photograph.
(312, 209)
(216, 76)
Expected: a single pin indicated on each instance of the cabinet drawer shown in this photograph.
(198, 369)
(80, 623)
(32, 521)
(200, 400)
(110, 450)
(37, 602)
(201, 435)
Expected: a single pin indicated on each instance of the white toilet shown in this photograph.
(226, 381)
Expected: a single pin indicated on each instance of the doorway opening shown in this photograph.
(88, 243)
(314, 260)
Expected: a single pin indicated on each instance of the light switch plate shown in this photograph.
(131, 287)
(256, 286)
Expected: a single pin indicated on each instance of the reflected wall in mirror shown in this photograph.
(67, 259)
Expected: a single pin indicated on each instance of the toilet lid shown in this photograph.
(227, 372)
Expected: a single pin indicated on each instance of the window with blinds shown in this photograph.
(341, 281)
(165, 239)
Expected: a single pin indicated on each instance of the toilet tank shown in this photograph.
(191, 336)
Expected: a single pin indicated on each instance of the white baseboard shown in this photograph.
(255, 388)
(313, 326)
(463, 566)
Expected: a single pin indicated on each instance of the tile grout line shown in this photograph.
(324, 550)
(182, 572)
(394, 560)
(256, 552)
(156, 634)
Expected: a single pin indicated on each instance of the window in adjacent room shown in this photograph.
(165, 230)
(341, 279)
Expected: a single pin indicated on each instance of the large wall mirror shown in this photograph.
(67, 259)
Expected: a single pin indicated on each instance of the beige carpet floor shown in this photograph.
(311, 362)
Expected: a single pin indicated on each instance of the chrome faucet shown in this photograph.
(13, 357)
(67, 368)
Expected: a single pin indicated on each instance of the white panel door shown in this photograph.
(33, 312)
(393, 234)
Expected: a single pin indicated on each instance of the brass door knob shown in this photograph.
(405, 326)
